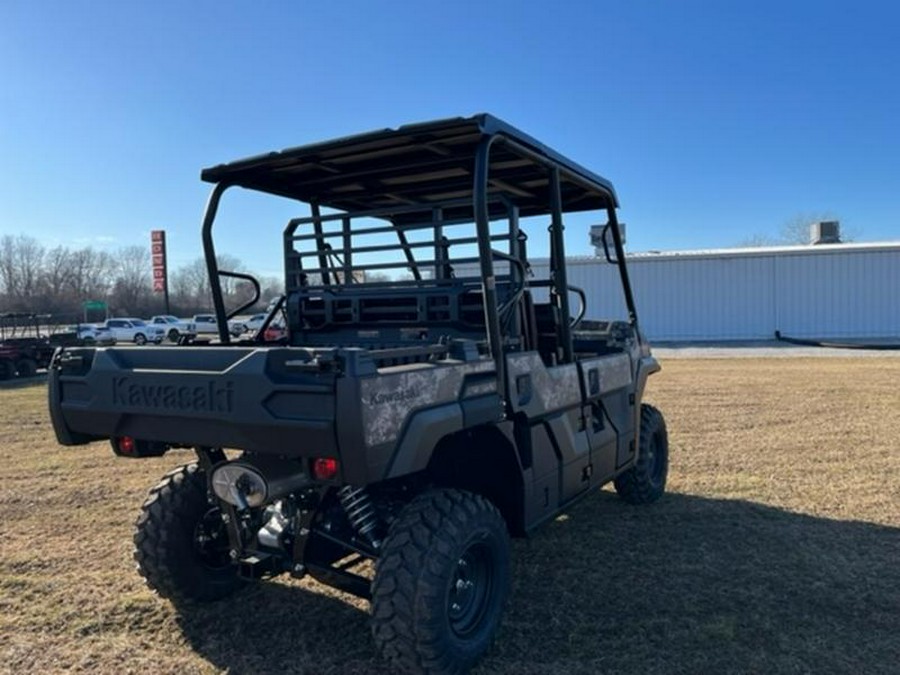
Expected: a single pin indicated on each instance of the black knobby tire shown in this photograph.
(140, 339)
(26, 367)
(441, 583)
(645, 482)
(180, 542)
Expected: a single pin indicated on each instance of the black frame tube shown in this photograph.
(257, 291)
(212, 266)
(486, 260)
(623, 270)
(320, 242)
(560, 289)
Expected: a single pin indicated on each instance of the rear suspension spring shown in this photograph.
(357, 504)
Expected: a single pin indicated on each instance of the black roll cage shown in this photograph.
(493, 135)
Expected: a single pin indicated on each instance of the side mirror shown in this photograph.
(602, 239)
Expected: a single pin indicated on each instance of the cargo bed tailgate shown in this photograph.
(275, 400)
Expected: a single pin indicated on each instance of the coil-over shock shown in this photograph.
(357, 504)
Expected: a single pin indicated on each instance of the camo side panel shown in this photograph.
(605, 374)
(537, 390)
(389, 397)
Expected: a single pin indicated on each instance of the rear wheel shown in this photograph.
(140, 339)
(180, 542)
(645, 482)
(441, 583)
(26, 367)
(7, 369)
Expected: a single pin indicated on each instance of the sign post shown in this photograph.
(96, 306)
(158, 253)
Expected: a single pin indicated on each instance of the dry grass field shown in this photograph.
(777, 549)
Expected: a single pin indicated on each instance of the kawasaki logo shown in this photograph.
(211, 397)
(399, 396)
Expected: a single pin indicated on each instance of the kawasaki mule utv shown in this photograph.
(430, 396)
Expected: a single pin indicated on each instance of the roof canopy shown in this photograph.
(420, 164)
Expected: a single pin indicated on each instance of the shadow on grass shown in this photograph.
(688, 585)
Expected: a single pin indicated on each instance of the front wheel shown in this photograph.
(140, 339)
(441, 583)
(645, 482)
(180, 542)
(174, 335)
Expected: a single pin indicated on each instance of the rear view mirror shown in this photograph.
(602, 238)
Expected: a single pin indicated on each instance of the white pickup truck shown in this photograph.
(137, 331)
(248, 324)
(175, 328)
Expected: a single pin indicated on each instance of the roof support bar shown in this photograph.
(486, 260)
(320, 241)
(623, 271)
(212, 265)
(560, 290)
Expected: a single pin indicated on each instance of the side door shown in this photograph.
(608, 389)
(548, 404)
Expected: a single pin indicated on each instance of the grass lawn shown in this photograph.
(777, 549)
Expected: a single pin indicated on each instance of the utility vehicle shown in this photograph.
(24, 346)
(429, 398)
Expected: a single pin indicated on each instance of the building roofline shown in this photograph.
(752, 252)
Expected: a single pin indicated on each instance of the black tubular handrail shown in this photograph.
(582, 298)
(257, 291)
(517, 295)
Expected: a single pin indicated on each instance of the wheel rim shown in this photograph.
(139, 339)
(657, 460)
(211, 540)
(470, 590)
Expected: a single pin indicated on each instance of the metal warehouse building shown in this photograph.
(820, 292)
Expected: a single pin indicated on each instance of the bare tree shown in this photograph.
(59, 280)
(92, 274)
(21, 262)
(132, 289)
(796, 231)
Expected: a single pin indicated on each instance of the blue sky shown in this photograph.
(715, 121)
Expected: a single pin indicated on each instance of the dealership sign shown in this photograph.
(158, 254)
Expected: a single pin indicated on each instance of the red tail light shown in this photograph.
(125, 445)
(324, 468)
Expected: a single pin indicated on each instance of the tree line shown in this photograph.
(36, 278)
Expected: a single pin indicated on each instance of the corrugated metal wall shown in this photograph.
(847, 291)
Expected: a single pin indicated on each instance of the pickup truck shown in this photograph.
(87, 334)
(205, 323)
(175, 328)
(137, 331)
(249, 324)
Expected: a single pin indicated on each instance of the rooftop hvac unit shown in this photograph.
(825, 232)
